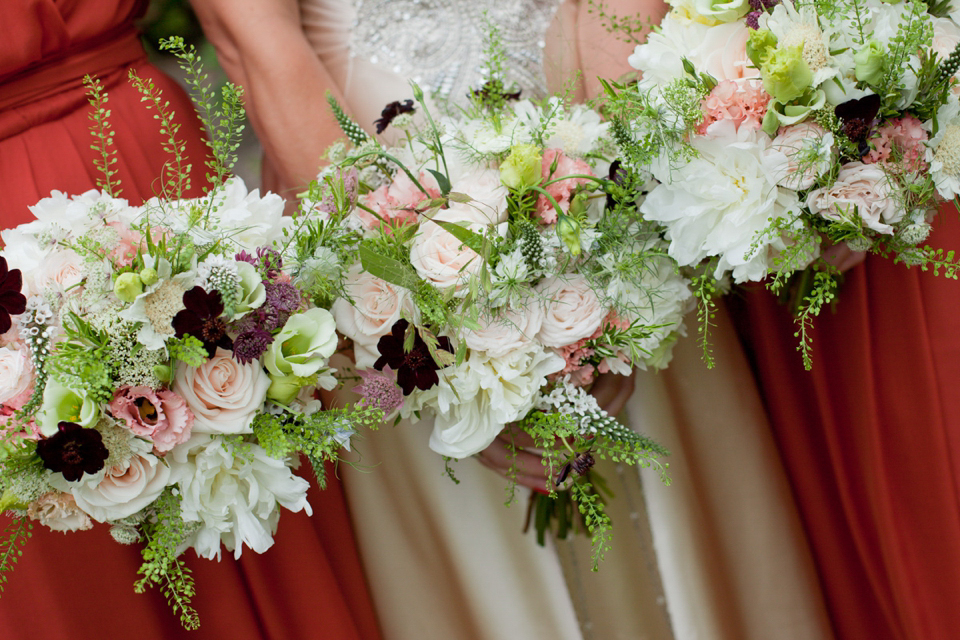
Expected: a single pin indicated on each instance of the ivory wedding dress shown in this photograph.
(449, 560)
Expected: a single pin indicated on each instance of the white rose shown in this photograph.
(439, 257)
(500, 335)
(946, 36)
(16, 373)
(475, 400)
(235, 496)
(804, 141)
(488, 193)
(377, 306)
(859, 189)
(125, 488)
(63, 268)
(573, 310)
(223, 394)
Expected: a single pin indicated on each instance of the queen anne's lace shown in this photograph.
(404, 36)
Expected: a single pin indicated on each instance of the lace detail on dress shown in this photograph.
(404, 36)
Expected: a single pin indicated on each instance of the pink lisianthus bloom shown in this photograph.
(161, 417)
(397, 202)
(744, 103)
(59, 512)
(562, 190)
(126, 250)
(906, 135)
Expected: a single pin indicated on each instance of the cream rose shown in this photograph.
(501, 335)
(64, 268)
(16, 373)
(860, 189)
(377, 305)
(439, 257)
(573, 311)
(125, 488)
(488, 193)
(223, 394)
(807, 142)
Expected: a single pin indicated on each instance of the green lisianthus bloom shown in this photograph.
(522, 167)
(303, 346)
(760, 46)
(869, 62)
(128, 286)
(252, 294)
(61, 404)
(780, 115)
(786, 76)
(569, 231)
(722, 10)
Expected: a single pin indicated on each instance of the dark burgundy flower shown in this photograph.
(252, 344)
(391, 111)
(858, 118)
(416, 368)
(73, 451)
(495, 89)
(12, 302)
(201, 319)
(753, 19)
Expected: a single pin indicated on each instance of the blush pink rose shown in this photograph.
(573, 310)
(16, 373)
(62, 268)
(124, 489)
(161, 417)
(562, 190)
(791, 141)
(222, 394)
(59, 512)
(126, 249)
(499, 336)
(439, 257)
(376, 307)
(859, 189)
(724, 52)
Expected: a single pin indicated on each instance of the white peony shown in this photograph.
(660, 59)
(943, 150)
(718, 203)
(475, 400)
(233, 495)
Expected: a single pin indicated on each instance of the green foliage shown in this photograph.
(188, 349)
(822, 292)
(164, 533)
(313, 435)
(222, 116)
(351, 129)
(914, 34)
(704, 287)
(628, 28)
(12, 539)
(598, 522)
(102, 134)
(79, 362)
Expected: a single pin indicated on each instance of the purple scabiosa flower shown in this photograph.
(416, 368)
(12, 302)
(391, 111)
(73, 451)
(202, 320)
(380, 390)
(251, 344)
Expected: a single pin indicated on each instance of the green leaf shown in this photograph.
(442, 181)
(388, 269)
(467, 236)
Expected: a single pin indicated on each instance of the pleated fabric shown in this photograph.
(80, 585)
(871, 441)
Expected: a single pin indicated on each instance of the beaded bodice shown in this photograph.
(440, 43)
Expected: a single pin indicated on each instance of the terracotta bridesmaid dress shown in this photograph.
(80, 585)
(871, 441)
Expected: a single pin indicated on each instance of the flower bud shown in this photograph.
(128, 286)
(148, 276)
(284, 389)
(869, 62)
(568, 229)
(163, 372)
(521, 169)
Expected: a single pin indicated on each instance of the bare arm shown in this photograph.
(262, 47)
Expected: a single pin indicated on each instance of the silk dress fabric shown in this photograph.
(871, 441)
(80, 585)
(448, 560)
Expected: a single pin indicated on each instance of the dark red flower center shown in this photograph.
(148, 412)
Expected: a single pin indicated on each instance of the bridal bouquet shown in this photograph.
(487, 269)
(158, 366)
(777, 128)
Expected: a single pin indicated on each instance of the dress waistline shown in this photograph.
(66, 71)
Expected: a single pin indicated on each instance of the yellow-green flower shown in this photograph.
(786, 76)
(303, 345)
(722, 10)
(61, 404)
(780, 115)
(128, 286)
(522, 167)
(760, 46)
(869, 62)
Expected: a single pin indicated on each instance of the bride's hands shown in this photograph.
(611, 391)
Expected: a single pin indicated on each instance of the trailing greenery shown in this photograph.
(14, 536)
(102, 133)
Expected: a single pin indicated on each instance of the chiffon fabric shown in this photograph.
(80, 585)
(871, 441)
(448, 560)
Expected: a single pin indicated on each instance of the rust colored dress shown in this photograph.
(871, 441)
(80, 585)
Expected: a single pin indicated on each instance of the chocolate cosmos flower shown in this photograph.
(416, 368)
(391, 111)
(201, 319)
(857, 117)
(73, 451)
(12, 302)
